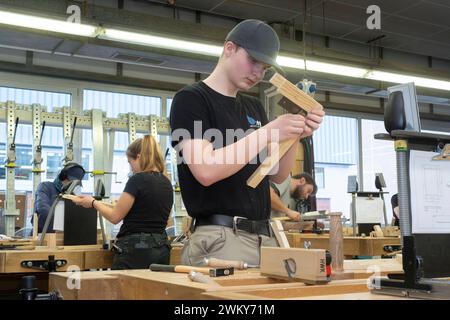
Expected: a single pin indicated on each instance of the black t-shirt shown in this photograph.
(230, 196)
(153, 200)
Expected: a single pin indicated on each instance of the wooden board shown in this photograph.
(278, 150)
(17, 242)
(299, 292)
(85, 286)
(293, 93)
(249, 295)
(353, 246)
(128, 285)
(72, 197)
(278, 231)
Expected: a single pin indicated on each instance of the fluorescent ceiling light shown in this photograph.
(161, 42)
(319, 66)
(336, 69)
(291, 62)
(401, 78)
(361, 73)
(53, 25)
(33, 22)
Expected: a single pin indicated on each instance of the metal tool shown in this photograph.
(201, 278)
(213, 272)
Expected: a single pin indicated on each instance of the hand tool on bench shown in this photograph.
(212, 272)
(310, 266)
(237, 264)
(293, 99)
(201, 278)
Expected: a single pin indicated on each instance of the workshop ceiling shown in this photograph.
(412, 26)
(417, 26)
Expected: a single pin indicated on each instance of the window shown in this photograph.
(114, 104)
(23, 161)
(336, 153)
(171, 159)
(169, 105)
(54, 163)
(52, 139)
(378, 157)
(323, 204)
(319, 174)
(29, 96)
(24, 156)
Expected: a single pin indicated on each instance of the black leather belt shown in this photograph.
(239, 223)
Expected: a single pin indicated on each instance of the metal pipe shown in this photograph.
(403, 189)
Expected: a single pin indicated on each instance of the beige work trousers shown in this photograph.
(219, 242)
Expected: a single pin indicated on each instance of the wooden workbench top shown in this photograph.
(327, 236)
(244, 284)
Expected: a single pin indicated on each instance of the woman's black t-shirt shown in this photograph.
(153, 200)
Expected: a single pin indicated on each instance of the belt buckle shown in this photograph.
(235, 221)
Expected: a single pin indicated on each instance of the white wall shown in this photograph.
(336, 187)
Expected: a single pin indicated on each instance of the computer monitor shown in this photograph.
(402, 110)
(352, 184)
(379, 181)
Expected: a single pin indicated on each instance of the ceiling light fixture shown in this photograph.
(84, 30)
(60, 26)
(160, 42)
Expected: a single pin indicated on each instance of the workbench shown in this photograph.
(353, 246)
(84, 257)
(244, 284)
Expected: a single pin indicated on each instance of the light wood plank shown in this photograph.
(303, 101)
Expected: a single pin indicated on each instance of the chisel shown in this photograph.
(212, 272)
(237, 264)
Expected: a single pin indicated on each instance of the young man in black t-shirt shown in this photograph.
(222, 137)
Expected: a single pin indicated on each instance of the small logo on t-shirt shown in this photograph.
(253, 123)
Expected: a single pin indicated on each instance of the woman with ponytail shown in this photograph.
(144, 206)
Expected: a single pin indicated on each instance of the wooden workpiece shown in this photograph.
(353, 246)
(336, 242)
(248, 284)
(300, 99)
(279, 234)
(73, 197)
(17, 244)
